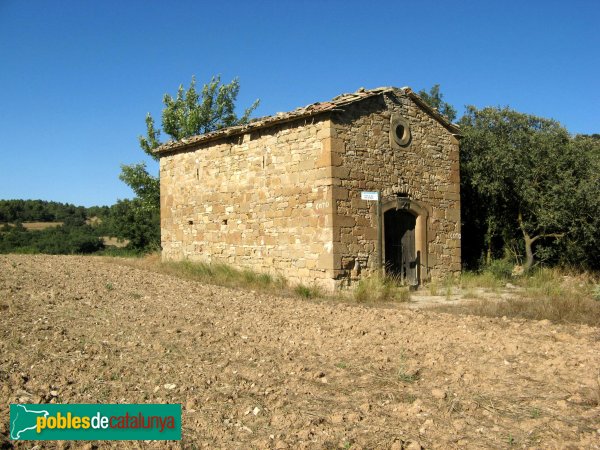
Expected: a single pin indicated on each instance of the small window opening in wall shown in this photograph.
(190, 222)
(400, 131)
(197, 174)
(224, 221)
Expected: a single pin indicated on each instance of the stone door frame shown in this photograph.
(420, 212)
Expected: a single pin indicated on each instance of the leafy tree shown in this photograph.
(98, 211)
(39, 211)
(435, 99)
(526, 177)
(145, 186)
(581, 246)
(130, 220)
(187, 114)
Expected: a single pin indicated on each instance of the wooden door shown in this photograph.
(400, 250)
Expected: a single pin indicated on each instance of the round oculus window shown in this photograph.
(399, 131)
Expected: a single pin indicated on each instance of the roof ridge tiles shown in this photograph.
(298, 113)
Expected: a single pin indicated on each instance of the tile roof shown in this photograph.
(335, 104)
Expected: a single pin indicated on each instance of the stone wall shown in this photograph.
(261, 201)
(426, 170)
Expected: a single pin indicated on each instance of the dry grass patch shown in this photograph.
(222, 275)
(485, 280)
(34, 226)
(369, 290)
(557, 309)
(380, 289)
(115, 242)
(308, 291)
(545, 294)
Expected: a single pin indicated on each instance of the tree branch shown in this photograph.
(552, 235)
(522, 225)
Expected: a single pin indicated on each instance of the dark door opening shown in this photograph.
(401, 257)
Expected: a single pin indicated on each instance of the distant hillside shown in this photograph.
(39, 226)
(45, 211)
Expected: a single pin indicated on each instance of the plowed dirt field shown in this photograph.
(254, 370)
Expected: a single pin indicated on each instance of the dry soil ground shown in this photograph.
(259, 371)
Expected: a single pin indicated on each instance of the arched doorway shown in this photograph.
(405, 241)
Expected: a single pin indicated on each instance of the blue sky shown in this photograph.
(78, 77)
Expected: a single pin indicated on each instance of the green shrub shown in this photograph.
(61, 240)
(501, 269)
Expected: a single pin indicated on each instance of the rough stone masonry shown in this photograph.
(282, 194)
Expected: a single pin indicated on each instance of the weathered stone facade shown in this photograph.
(283, 194)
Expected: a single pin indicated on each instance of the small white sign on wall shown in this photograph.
(369, 196)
